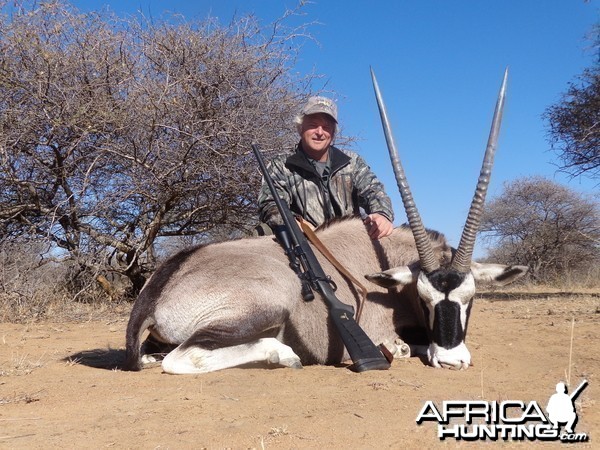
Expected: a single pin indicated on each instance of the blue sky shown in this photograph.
(439, 64)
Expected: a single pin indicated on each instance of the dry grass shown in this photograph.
(32, 291)
(59, 309)
(531, 291)
(21, 365)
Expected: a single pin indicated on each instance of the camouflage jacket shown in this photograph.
(351, 185)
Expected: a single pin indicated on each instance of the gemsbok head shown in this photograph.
(446, 291)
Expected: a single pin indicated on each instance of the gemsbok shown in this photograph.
(238, 302)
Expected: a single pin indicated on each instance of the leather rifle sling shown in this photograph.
(313, 238)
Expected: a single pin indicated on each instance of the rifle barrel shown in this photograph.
(578, 390)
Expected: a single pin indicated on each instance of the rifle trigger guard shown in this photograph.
(328, 280)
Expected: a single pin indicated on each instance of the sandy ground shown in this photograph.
(61, 387)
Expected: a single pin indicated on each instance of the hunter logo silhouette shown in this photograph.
(561, 406)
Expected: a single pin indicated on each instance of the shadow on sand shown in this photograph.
(100, 358)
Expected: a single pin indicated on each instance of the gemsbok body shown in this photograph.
(238, 302)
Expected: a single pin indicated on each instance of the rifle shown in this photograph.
(364, 353)
(283, 238)
(577, 391)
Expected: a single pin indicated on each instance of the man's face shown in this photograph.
(317, 133)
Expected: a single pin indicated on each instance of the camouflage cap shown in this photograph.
(318, 104)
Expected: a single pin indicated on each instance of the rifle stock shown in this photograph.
(364, 353)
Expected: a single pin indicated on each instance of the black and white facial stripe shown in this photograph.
(447, 296)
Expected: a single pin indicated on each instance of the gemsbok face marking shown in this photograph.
(238, 302)
(446, 297)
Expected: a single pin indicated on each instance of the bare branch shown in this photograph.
(118, 134)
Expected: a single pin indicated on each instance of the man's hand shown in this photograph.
(379, 226)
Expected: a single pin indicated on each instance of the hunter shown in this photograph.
(320, 182)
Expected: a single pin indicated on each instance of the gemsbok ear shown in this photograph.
(393, 277)
(497, 274)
